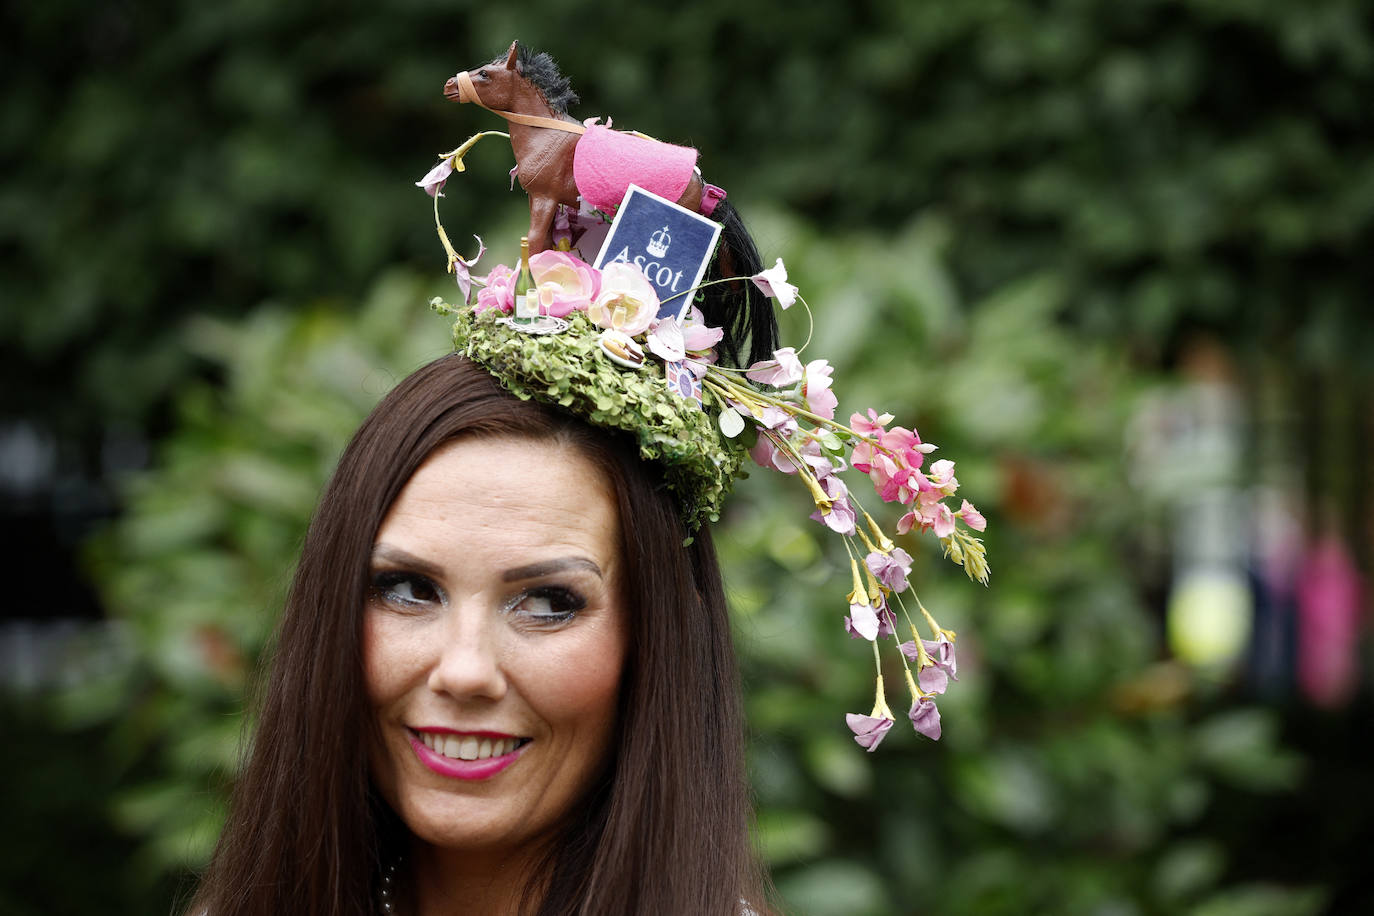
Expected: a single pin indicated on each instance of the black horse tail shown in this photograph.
(738, 306)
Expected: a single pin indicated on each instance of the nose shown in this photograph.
(469, 665)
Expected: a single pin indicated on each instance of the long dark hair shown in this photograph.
(666, 832)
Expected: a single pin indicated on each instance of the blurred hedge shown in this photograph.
(1007, 213)
(1170, 161)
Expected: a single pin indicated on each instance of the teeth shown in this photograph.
(470, 747)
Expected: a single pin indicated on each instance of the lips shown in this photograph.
(466, 755)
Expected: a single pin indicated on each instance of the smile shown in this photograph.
(469, 747)
(466, 756)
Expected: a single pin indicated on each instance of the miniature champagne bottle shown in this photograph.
(526, 296)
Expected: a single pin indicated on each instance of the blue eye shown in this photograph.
(405, 589)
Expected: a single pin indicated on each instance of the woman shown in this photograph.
(502, 683)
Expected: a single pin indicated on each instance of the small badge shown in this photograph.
(671, 244)
(682, 380)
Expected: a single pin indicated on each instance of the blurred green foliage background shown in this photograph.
(1017, 223)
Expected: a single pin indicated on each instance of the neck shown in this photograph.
(446, 882)
(526, 141)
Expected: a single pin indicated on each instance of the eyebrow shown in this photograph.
(404, 558)
(400, 557)
(548, 567)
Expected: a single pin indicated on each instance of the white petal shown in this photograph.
(731, 423)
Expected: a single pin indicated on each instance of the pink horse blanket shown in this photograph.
(606, 162)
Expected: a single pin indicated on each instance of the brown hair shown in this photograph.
(666, 833)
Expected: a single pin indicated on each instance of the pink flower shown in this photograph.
(627, 301)
(462, 269)
(911, 520)
(499, 292)
(906, 446)
(689, 341)
(933, 680)
(890, 479)
(925, 718)
(942, 477)
(872, 425)
(697, 335)
(564, 284)
(666, 340)
(941, 651)
(926, 517)
(940, 666)
(434, 179)
(841, 516)
(972, 517)
(862, 457)
(820, 463)
(887, 621)
(941, 520)
(815, 389)
(767, 455)
(782, 370)
(773, 282)
(780, 420)
(890, 569)
(869, 731)
(892, 462)
(863, 621)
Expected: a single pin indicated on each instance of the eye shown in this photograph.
(404, 589)
(549, 604)
(483, 75)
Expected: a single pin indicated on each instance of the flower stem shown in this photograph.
(468, 144)
(788, 406)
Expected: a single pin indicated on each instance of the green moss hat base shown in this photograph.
(568, 370)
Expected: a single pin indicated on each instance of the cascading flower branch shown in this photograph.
(791, 406)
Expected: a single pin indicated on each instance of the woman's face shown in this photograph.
(493, 641)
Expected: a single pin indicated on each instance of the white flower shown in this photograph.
(627, 301)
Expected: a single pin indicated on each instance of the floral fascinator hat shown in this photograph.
(684, 357)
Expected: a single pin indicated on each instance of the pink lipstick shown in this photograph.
(491, 743)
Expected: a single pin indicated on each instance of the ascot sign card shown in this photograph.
(671, 244)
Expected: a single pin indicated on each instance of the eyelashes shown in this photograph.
(549, 604)
(544, 604)
(405, 589)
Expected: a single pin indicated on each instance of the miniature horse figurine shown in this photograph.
(559, 162)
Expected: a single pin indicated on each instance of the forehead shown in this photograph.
(503, 494)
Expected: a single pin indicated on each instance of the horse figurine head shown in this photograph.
(521, 82)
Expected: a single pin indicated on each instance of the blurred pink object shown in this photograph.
(1328, 624)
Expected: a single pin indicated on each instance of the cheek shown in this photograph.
(385, 659)
(373, 667)
(581, 689)
(375, 670)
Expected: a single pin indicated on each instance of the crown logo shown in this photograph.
(659, 242)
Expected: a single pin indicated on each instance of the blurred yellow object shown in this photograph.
(1209, 617)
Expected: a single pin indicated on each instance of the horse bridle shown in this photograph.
(467, 92)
